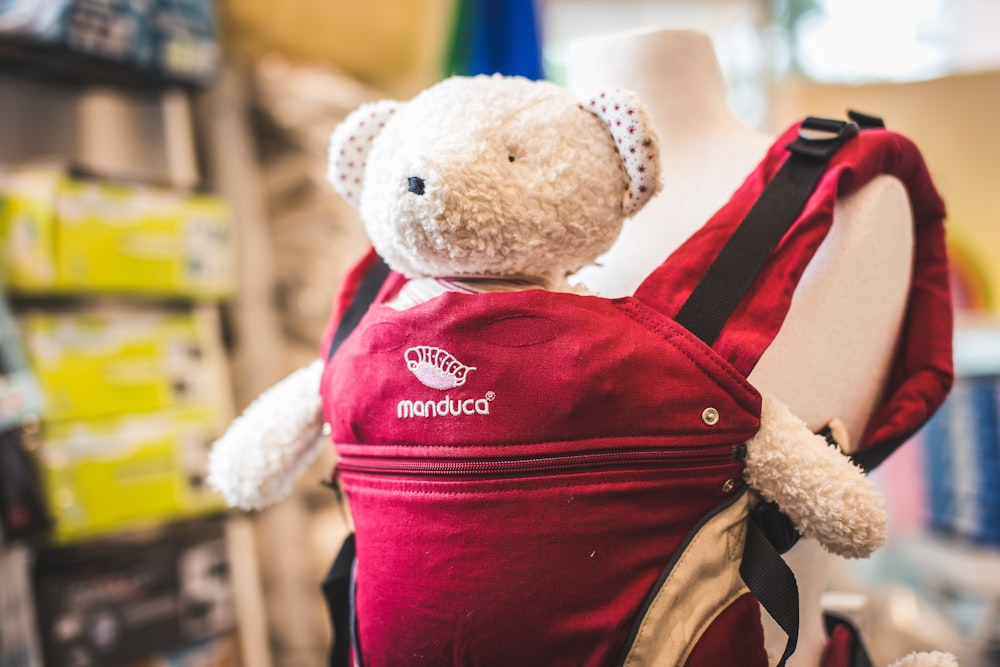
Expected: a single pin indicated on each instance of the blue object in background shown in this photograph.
(962, 450)
(496, 36)
(20, 394)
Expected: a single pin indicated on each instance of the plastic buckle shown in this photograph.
(866, 121)
(819, 138)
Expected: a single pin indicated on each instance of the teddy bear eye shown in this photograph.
(510, 158)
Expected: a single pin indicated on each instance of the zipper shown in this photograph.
(535, 464)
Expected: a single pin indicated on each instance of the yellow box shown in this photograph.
(106, 476)
(104, 361)
(64, 234)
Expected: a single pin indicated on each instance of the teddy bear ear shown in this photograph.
(635, 139)
(350, 144)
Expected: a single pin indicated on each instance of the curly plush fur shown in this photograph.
(265, 449)
(514, 178)
(814, 484)
(935, 659)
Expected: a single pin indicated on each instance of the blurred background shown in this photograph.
(169, 249)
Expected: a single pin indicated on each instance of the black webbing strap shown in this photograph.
(369, 288)
(871, 457)
(727, 280)
(337, 592)
(772, 582)
(337, 584)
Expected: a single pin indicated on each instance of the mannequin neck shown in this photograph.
(675, 73)
(705, 150)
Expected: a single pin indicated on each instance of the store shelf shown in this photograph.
(58, 64)
(140, 584)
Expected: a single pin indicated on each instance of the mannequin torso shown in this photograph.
(831, 357)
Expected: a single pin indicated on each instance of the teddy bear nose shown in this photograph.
(416, 185)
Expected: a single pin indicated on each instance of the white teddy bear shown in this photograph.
(498, 184)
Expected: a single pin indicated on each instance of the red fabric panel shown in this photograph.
(556, 367)
(922, 371)
(546, 568)
(736, 637)
(839, 649)
(521, 571)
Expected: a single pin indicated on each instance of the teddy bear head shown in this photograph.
(495, 176)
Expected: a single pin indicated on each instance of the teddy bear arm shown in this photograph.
(257, 460)
(825, 495)
(934, 659)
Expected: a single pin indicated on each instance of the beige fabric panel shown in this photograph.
(703, 582)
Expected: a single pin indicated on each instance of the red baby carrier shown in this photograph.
(541, 478)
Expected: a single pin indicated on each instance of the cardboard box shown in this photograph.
(109, 476)
(115, 603)
(110, 360)
(69, 235)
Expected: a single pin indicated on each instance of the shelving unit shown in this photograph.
(180, 576)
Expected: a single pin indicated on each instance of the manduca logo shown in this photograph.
(455, 407)
(436, 368)
(439, 369)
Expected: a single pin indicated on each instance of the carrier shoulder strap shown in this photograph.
(727, 280)
(336, 589)
(368, 289)
(717, 295)
(732, 282)
(722, 289)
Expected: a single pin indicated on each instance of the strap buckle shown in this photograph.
(819, 138)
(865, 121)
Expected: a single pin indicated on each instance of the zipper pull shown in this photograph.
(333, 483)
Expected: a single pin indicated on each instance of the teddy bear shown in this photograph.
(492, 184)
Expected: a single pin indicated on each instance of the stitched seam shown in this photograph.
(641, 634)
(734, 595)
(643, 629)
(635, 309)
(386, 490)
(715, 433)
(656, 327)
(668, 331)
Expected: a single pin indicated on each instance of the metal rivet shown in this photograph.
(728, 485)
(710, 416)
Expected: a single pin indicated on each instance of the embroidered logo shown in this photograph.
(439, 369)
(455, 407)
(436, 368)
